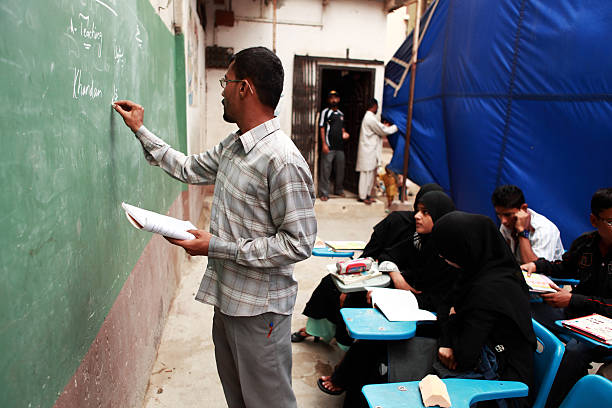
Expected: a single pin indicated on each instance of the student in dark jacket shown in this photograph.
(589, 259)
(490, 312)
(326, 300)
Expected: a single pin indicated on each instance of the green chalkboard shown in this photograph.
(67, 163)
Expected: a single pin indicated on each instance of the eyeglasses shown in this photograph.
(224, 82)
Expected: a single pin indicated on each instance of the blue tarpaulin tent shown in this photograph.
(510, 92)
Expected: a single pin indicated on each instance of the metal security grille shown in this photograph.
(304, 116)
(313, 78)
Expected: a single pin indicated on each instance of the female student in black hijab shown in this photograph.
(396, 226)
(490, 304)
(326, 300)
(424, 273)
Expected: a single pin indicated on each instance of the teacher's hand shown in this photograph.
(132, 113)
(197, 246)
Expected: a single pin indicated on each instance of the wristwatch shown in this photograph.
(524, 233)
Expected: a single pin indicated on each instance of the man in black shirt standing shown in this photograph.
(331, 128)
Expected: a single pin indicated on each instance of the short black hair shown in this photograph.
(265, 69)
(373, 102)
(601, 200)
(508, 196)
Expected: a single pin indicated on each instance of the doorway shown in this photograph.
(313, 78)
(356, 88)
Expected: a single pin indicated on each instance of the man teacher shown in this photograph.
(262, 221)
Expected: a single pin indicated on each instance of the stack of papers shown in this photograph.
(158, 223)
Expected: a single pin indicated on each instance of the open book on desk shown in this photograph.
(595, 326)
(398, 305)
(157, 223)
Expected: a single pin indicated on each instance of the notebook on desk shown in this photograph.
(346, 245)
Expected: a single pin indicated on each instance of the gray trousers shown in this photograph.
(254, 368)
(327, 159)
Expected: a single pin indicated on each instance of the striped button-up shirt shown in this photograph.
(262, 218)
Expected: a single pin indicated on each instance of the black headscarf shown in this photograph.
(437, 204)
(395, 227)
(490, 277)
(426, 188)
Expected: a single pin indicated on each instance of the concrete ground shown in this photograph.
(184, 374)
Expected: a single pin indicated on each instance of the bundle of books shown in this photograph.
(596, 327)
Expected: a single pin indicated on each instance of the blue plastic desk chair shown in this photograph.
(328, 252)
(590, 391)
(370, 324)
(546, 362)
(462, 392)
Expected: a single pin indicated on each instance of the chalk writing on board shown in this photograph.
(109, 8)
(86, 90)
(115, 94)
(86, 29)
(118, 53)
(137, 37)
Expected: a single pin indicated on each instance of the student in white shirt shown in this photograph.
(528, 234)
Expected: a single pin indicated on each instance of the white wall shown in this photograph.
(195, 76)
(181, 16)
(397, 31)
(304, 27)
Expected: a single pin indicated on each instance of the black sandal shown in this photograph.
(297, 337)
(325, 390)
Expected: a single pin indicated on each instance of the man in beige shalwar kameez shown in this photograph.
(369, 155)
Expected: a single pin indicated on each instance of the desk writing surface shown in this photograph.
(371, 324)
(462, 392)
(330, 253)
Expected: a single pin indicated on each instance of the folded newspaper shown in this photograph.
(157, 223)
